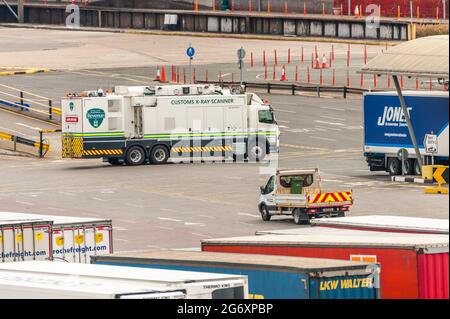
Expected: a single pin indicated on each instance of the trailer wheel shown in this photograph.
(394, 166)
(300, 217)
(135, 156)
(256, 151)
(159, 154)
(265, 214)
(417, 168)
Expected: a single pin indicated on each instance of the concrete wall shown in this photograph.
(275, 24)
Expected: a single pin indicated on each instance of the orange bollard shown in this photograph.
(437, 13)
(275, 57)
(348, 56)
(250, 6)
(374, 81)
(195, 6)
(274, 71)
(431, 84)
(334, 77)
(398, 12)
(361, 81)
(173, 74)
(303, 56)
(332, 51)
(323, 9)
(418, 12)
(163, 75)
(389, 82)
(268, 7)
(289, 56)
(251, 59)
(309, 75)
(296, 73)
(361, 13)
(417, 83)
(304, 9)
(331, 60)
(316, 52)
(178, 74)
(232, 6)
(214, 5)
(342, 9)
(264, 58)
(365, 54)
(401, 82)
(312, 60)
(285, 8)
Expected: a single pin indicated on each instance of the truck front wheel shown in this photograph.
(300, 217)
(135, 156)
(265, 214)
(159, 154)
(256, 150)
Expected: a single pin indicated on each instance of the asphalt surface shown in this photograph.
(177, 205)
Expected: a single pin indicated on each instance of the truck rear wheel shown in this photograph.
(159, 154)
(135, 156)
(256, 151)
(300, 217)
(265, 214)
(394, 166)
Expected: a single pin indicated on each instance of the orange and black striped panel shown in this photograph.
(102, 152)
(330, 197)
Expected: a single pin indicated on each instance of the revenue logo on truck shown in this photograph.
(95, 117)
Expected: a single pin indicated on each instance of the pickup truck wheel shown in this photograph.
(300, 217)
(394, 166)
(135, 156)
(265, 214)
(159, 154)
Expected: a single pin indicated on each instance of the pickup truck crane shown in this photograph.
(299, 193)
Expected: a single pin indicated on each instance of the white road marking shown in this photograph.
(31, 127)
(330, 123)
(96, 198)
(332, 118)
(120, 239)
(201, 235)
(332, 180)
(328, 128)
(55, 208)
(118, 228)
(323, 138)
(251, 215)
(282, 126)
(281, 121)
(134, 205)
(233, 177)
(170, 219)
(107, 191)
(331, 108)
(194, 224)
(284, 111)
(24, 203)
(162, 227)
(169, 210)
(127, 221)
(153, 246)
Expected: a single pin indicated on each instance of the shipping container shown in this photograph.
(25, 240)
(196, 285)
(398, 224)
(74, 239)
(412, 265)
(269, 277)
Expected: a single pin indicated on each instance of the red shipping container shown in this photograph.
(412, 265)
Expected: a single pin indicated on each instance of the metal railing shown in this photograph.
(43, 147)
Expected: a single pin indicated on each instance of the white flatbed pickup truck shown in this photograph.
(299, 193)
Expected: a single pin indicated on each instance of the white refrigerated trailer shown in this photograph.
(143, 124)
(42, 280)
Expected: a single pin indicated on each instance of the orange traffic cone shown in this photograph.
(163, 76)
(324, 61)
(318, 63)
(158, 75)
(283, 73)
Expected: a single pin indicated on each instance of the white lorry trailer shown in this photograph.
(40, 279)
(135, 125)
(299, 193)
(73, 239)
(25, 240)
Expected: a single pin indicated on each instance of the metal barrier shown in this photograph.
(21, 140)
(293, 88)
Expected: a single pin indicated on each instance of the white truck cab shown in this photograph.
(299, 193)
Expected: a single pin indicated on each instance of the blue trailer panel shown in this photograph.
(269, 277)
(386, 131)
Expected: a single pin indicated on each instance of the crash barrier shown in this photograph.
(47, 140)
(43, 147)
(34, 104)
(293, 88)
(439, 175)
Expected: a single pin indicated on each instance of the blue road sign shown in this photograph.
(190, 52)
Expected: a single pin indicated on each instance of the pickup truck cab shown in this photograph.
(299, 193)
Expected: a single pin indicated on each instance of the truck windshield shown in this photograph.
(266, 116)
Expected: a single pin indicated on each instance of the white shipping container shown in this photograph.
(25, 240)
(74, 239)
(40, 279)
